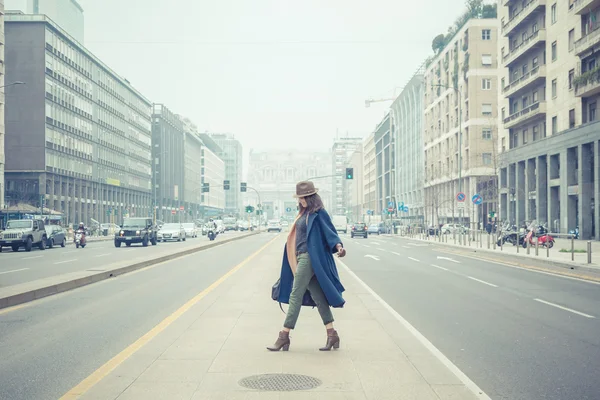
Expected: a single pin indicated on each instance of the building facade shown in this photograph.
(369, 174)
(407, 113)
(385, 163)
(168, 138)
(274, 174)
(2, 45)
(233, 157)
(548, 141)
(83, 147)
(343, 148)
(214, 173)
(356, 186)
(460, 121)
(68, 14)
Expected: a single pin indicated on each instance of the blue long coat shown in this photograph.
(321, 243)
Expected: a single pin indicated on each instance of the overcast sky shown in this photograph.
(276, 73)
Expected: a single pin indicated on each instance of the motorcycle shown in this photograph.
(80, 239)
(542, 236)
(211, 234)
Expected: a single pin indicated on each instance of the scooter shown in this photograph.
(211, 234)
(543, 238)
(80, 239)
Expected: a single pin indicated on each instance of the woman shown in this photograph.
(308, 264)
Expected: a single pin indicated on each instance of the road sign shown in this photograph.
(390, 204)
(403, 209)
(460, 196)
(288, 209)
(461, 206)
(391, 210)
(477, 199)
(173, 212)
(181, 208)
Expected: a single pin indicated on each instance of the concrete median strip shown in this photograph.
(22, 293)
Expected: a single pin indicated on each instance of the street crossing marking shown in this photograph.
(480, 281)
(565, 308)
(414, 259)
(14, 270)
(437, 266)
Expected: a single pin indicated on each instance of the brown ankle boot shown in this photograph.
(283, 342)
(333, 340)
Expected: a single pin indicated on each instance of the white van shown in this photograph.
(340, 222)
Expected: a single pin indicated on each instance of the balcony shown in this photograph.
(530, 8)
(588, 83)
(536, 39)
(525, 115)
(588, 41)
(534, 76)
(581, 7)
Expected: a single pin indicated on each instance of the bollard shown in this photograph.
(537, 243)
(489, 237)
(454, 234)
(469, 240)
(501, 245)
(547, 251)
(481, 240)
(589, 251)
(572, 247)
(528, 247)
(518, 247)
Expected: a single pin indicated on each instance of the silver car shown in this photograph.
(172, 232)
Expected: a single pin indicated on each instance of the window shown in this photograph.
(592, 112)
(571, 76)
(534, 62)
(535, 97)
(524, 69)
(535, 131)
(486, 34)
(572, 118)
(554, 125)
(524, 102)
(525, 136)
(486, 158)
(553, 13)
(502, 84)
(571, 39)
(486, 84)
(503, 112)
(554, 88)
(554, 55)
(486, 134)
(486, 59)
(534, 28)
(486, 109)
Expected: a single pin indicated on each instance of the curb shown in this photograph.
(45, 291)
(510, 257)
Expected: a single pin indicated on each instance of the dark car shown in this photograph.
(56, 236)
(136, 230)
(359, 229)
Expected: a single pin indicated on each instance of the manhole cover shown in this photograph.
(280, 382)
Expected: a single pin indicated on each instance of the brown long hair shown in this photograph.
(313, 204)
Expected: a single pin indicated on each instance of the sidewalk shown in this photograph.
(219, 338)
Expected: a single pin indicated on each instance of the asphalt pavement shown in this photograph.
(518, 334)
(50, 345)
(22, 267)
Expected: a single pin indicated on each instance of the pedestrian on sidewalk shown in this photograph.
(309, 275)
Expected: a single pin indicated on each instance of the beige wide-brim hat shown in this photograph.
(305, 188)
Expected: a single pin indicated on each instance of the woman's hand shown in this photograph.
(341, 251)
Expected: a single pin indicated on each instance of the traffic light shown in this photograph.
(249, 209)
(243, 186)
(206, 187)
(349, 173)
(225, 185)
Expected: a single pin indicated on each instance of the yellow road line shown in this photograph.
(117, 360)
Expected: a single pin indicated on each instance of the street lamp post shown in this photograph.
(12, 84)
(459, 141)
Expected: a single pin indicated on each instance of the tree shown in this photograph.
(489, 11)
(438, 43)
(474, 8)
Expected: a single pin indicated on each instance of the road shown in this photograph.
(518, 334)
(21, 267)
(52, 344)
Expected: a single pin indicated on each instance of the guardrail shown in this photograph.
(476, 236)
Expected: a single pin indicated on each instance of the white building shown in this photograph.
(1, 106)
(274, 175)
(341, 151)
(68, 14)
(214, 175)
(192, 183)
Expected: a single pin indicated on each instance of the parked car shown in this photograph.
(191, 230)
(359, 229)
(173, 231)
(375, 229)
(274, 225)
(55, 236)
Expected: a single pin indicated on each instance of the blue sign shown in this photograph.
(460, 196)
(403, 208)
(288, 209)
(369, 212)
(400, 206)
(390, 204)
(477, 199)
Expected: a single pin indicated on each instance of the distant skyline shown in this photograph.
(273, 73)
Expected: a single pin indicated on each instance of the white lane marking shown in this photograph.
(376, 243)
(103, 255)
(472, 386)
(30, 258)
(398, 254)
(565, 308)
(14, 270)
(366, 245)
(380, 249)
(448, 258)
(63, 262)
(406, 247)
(437, 266)
(373, 257)
(414, 259)
(480, 281)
